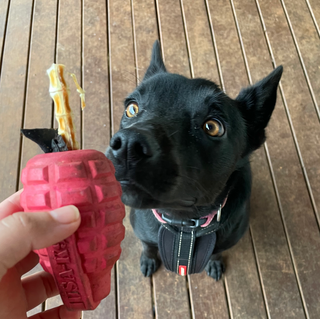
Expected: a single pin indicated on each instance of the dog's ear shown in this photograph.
(156, 64)
(257, 103)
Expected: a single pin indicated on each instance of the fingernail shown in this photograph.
(66, 214)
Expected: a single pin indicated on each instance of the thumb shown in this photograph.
(21, 233)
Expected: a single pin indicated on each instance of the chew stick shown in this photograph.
(59, 93)
(80, 90)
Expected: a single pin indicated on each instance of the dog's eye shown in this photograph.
(213, 128)
(132, 110)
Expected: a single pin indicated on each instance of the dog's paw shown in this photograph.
(149, 266)
(215, 269)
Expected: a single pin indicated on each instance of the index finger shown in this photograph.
(11, 205)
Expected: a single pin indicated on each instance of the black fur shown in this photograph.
(165, 160)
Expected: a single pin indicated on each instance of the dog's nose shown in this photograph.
(130, 145)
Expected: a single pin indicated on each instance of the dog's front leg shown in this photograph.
(149, 260)
(215, 267)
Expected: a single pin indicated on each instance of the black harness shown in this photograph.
(186, 246)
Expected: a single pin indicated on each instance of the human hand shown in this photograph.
(20, 234)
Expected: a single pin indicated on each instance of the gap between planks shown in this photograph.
(305, 72)
(305, 174)
(270, 163)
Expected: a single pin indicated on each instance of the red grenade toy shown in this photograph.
(82, 263)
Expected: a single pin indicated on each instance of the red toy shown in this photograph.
(81, 264)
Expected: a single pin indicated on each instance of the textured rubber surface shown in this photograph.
(81, 264)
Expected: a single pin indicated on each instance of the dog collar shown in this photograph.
(191, 223)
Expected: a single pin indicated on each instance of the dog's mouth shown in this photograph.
(138, 196)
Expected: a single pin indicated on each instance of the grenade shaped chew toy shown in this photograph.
(82, 263)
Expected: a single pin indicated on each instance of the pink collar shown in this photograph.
(208, 217)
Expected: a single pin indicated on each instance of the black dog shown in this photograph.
(182, 153)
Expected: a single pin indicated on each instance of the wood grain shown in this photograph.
(173, 38)
(202, 53)
(122, 58)
(96, 116)
(38, 107)
(134, 291)
(296, 92)
(208, 298)
(171, 295)
(277, 275)
(241, 272)
(307, 43)
(285, 235)
(12, 92)
(96, 126)
(241, 264)
(4, 6)
(289, 178)
(230, 56)
(315, 11)
(146, 31)
(68, 52)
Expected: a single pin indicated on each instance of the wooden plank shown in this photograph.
(134, 291)
(277, 275)
(171, 295)
(202, 52)
(293, 194)
(96, 116)
(146, 31)
(103, 311)
(242, 280)
(122, 57)
(68, 52)
(4, 7)
(96, 126)
(12, 92)
(173, 39)
(307, 44)
(208, 298)
(241, 271)
(297, 94)
(314, 9)
(230, 56)
(289, 178)
(38, 107)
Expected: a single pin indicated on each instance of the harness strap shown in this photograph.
(184, 253)
(185, 246)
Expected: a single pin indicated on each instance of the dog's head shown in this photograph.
(181, 139)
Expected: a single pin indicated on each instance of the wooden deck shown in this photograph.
(274, 272)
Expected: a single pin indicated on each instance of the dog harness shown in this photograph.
(185, 246)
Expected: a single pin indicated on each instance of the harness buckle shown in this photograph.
(191, 223)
